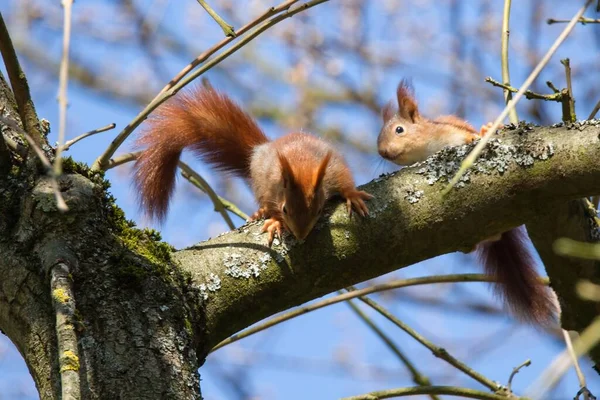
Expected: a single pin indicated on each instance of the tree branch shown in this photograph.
(19, 84)
(513, 181)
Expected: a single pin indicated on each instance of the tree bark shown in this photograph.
(146, 316)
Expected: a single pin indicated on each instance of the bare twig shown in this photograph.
(101, 162)
(227, 29)
(574, 248)
(205, 55)
(581, 20)
(14, 146)
(589, 338)
(122, 159)
(464, 393)
(199, 181)
(64, 306)
(351, 295)
(20, 88)
(557, 96)
(569, 101)
(515, 370)
(580, 376)
(437, 351)
(192, 177)
(417, 377)
(71, 142)
(513, 117)
(225, 204)
(468, 162)
(60, 202)
(62, 85)
(594, 110)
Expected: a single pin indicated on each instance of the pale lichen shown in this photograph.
(497, 157)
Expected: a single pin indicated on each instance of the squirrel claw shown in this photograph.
(259, 214)
(356, 201)
(272, 226)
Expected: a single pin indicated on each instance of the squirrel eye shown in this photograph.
(285, 210)
(399, 129)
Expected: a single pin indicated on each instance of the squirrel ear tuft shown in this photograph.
(320, 172)
(407, 104)
(286, 170)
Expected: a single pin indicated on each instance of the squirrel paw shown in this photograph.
(272, 226)
(485, 128)
(356, 200)
(259, 214)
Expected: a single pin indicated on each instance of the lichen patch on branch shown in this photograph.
(497, 157)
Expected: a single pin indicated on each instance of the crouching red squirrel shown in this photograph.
(291, 177)
(408, 137)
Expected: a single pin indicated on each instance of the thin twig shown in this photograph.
(199, 181)
(580, 376)
(464, 393)
(66, 337)
(228, 205)
(557, 96)
(60, 202)
(395, 284)
(71, 142)
(439, 352)
(581, 20)
(221, 205)
(589, 338)
(513, 117)
(19, 85)
(468, 162)
(574, 248)
(63, 80)
(206, 54)
(569, 102)
(594, 110)
(100, 163)
(551, 86)
(514, 372)
(16, 147)
(227, 29)
(417, 377)
(122, 159)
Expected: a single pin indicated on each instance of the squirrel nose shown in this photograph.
(384, 153)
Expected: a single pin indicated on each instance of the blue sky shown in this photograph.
(330, 353)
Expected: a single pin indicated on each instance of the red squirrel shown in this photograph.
(408, 137)
(291, 177)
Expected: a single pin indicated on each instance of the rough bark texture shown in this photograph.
(146, 316)
(571, 220)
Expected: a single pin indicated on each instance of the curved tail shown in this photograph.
(513, 266)
(203, 120)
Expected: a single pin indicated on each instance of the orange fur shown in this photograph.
(201, 119)
(407, 137)
(291, 177)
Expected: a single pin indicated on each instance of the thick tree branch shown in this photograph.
(525, 174)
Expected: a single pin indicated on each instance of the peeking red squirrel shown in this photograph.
(408, 137)
(291, 177)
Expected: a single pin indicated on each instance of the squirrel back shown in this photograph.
(203, 120)
(408, 137)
